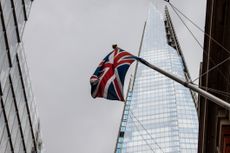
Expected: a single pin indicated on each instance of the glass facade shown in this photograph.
(160, 114)
(19, 124)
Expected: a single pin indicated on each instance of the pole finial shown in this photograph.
(114, 46)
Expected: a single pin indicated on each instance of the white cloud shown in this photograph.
(64, 41)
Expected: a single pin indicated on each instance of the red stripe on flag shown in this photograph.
(118, 90)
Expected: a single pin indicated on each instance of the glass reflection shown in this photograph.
(161, 113)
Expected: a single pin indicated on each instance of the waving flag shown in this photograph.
(108, 79)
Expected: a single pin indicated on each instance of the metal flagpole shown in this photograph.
(189, 85)
(130, 84)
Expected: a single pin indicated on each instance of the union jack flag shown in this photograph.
(108, 79)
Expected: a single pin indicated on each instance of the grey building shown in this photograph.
(19, 124)
(160, 115)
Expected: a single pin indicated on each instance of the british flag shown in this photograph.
(108, 79)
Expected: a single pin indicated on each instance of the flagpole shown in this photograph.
(131, 83)
(189, 85)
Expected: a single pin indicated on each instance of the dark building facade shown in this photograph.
(214, 121)
(19, 124)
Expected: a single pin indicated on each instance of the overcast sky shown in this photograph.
(65, 40)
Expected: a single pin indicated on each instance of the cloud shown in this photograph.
(64, 41)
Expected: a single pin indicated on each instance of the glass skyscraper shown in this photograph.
(160, 115)
(19, 124)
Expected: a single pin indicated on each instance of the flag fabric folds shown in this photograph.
(108, 79)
